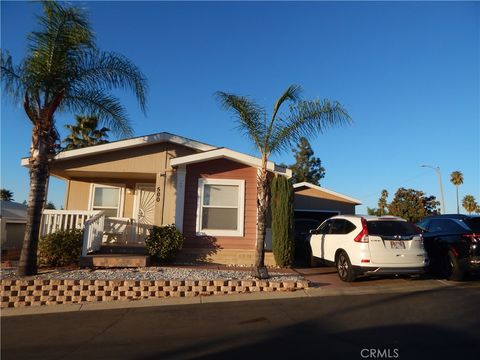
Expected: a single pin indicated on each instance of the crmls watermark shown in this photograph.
(380, 353)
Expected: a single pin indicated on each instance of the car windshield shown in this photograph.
(302, 226)
(391, 228)
(474, 224)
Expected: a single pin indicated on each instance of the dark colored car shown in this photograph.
(452, 243)
(302, 245)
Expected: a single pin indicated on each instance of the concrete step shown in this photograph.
(114, 260)
(122, 249)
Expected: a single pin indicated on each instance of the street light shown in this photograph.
(439, 176)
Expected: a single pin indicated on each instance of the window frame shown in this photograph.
(241, 207)
(120, 187)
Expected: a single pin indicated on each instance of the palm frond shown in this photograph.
(249, 115)
(107, 108)
(107, 70)
(306, 118)
(11, 77)
(292, 93)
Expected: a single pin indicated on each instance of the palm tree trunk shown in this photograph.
(36, 199)
(260, 271)
(458, 206)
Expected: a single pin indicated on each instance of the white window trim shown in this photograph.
(241, 207)
(93, 186)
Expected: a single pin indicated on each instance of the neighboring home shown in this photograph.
(13, 217)
(319, 203)
(122, 188)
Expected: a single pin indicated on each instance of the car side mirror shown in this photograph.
(313, 232)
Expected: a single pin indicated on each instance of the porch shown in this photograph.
(107, 241)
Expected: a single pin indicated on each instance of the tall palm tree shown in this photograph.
(85, 133)
(456, 178)
(276, 134)
(63, 71)
(469, 203)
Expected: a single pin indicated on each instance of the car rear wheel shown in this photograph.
(453, 270)
(344, 267)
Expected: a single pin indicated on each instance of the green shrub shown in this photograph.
(163, 242)
(60, 248)
(281, 205)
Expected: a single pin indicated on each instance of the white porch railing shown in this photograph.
(98, 229)
(57, 220)
(93, 233)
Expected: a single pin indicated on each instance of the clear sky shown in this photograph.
(408, 73)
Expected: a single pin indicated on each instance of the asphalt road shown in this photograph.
(442, 323)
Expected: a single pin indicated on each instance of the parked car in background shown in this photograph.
(302, 246)
(364, 245)
(452, 243)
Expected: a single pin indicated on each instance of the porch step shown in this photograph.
(114, 260)
(122, 249)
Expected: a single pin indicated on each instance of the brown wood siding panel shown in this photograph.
(220, 169)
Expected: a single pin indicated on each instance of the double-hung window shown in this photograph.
(107, 198)
(220, 207)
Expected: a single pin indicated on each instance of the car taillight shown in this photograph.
(472, 237)
(363, 235)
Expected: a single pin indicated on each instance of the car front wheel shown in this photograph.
(344, 267)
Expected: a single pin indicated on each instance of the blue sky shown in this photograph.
(408, 73)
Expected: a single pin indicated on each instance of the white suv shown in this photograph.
(359, 245)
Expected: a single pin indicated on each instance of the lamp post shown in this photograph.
(439, 176)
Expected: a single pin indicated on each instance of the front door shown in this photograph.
(144, 211)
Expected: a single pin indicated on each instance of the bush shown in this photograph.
(163, 242)
(283, 241)
(60, 248)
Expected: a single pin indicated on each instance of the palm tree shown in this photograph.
(469, 203)
(6, 195)
(303, 118)
(63, 71)
(382, 202)
(85, 133)
(456, 178)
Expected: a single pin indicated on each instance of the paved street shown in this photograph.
(441, 322)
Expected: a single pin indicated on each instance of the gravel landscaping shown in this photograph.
(151, 273)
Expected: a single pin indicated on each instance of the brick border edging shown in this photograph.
(19, 292)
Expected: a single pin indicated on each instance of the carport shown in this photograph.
(315, 202)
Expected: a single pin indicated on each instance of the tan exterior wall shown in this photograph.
(127, 168)
(220, 169)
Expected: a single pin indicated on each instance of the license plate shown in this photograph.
(397, 244)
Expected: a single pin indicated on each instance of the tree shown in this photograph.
(63, 71)
(281, 205)
(307, 167)
(50, 206)
(85, 133)
(304, 118)
(412, 205)
(477, 209)
(469, 203)
(456, 178)
(6, 195)
(382, 205)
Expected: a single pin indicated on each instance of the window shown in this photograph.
(325, 228)
(341, 227)
(445, 226)
(107, 198)
(220, 207)
(392, 228)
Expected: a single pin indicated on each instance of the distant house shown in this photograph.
(121, 189)
(13, 217)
